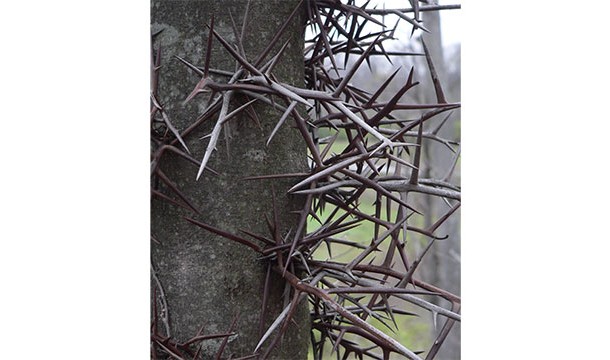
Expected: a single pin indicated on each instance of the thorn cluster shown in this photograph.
(371, 152)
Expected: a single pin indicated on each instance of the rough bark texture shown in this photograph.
(208, 279)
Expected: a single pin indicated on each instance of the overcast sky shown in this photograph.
(450, 19)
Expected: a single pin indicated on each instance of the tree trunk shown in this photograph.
(208, 280)
(442, 265)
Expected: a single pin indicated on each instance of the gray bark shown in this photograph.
(208, 279)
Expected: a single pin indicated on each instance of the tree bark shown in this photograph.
(207, 279)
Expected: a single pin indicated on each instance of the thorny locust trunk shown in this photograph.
(208, 280)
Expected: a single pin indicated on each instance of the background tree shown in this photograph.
(442, 265)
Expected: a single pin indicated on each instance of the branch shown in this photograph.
(390, 185)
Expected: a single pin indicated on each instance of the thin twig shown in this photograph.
(164, 311)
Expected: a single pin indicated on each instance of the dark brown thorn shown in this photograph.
(275, 176)
(455, 307)
(208, 52)
(276, 58)
(266, 287)
(156, 33)
(351, 41)
(159, 152)
(238, 36)
(169, 348)
(441, 220)
(415, 6)
(200, 332)
(197, 338)
(375, 244)
(375, 185)
(409, 275)
(324, 40)
(311, 145)
(329, 145)
(354, 67)
(391, 105)
(360, 11)
(453, 165)
(211, 111)
(190, 66)
(415, 24)
(244, 23)
(221, 349)
(276, 222)
(329, 170)
(224, 234)
(440, 96)
(414, 180)
(447, 106)
(377, 214)
(440, 125)
(170, 200)
(253, 115)
(155, 321)
(156, 67)
(175, 189)
(154, 239)
(300, 227)
(278, 33)
(338, 341)
(385, 53)
(244, 63)
(424, 8)
(311, 239)
(381, 88)
(258, 237)
(174, 130)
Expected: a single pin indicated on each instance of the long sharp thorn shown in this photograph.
(199, 88)
(244, 23)
(240, 109)
(215, 132)
(224, 234)
(453, 165)
(325, 172)
(300, 227)
(208, 52)
(190, 66)
(440, 125)
(281, 121)
(410, 21)
(240, 45)
(416, 161)
(354, 67)
(415, 6)
(385, 142)
(381, 88)
(276, 58)
(440, 96)
(226, 338)
(259, 60)
(391, 105)
(261, 325)
(175, 189)
(236, 55)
